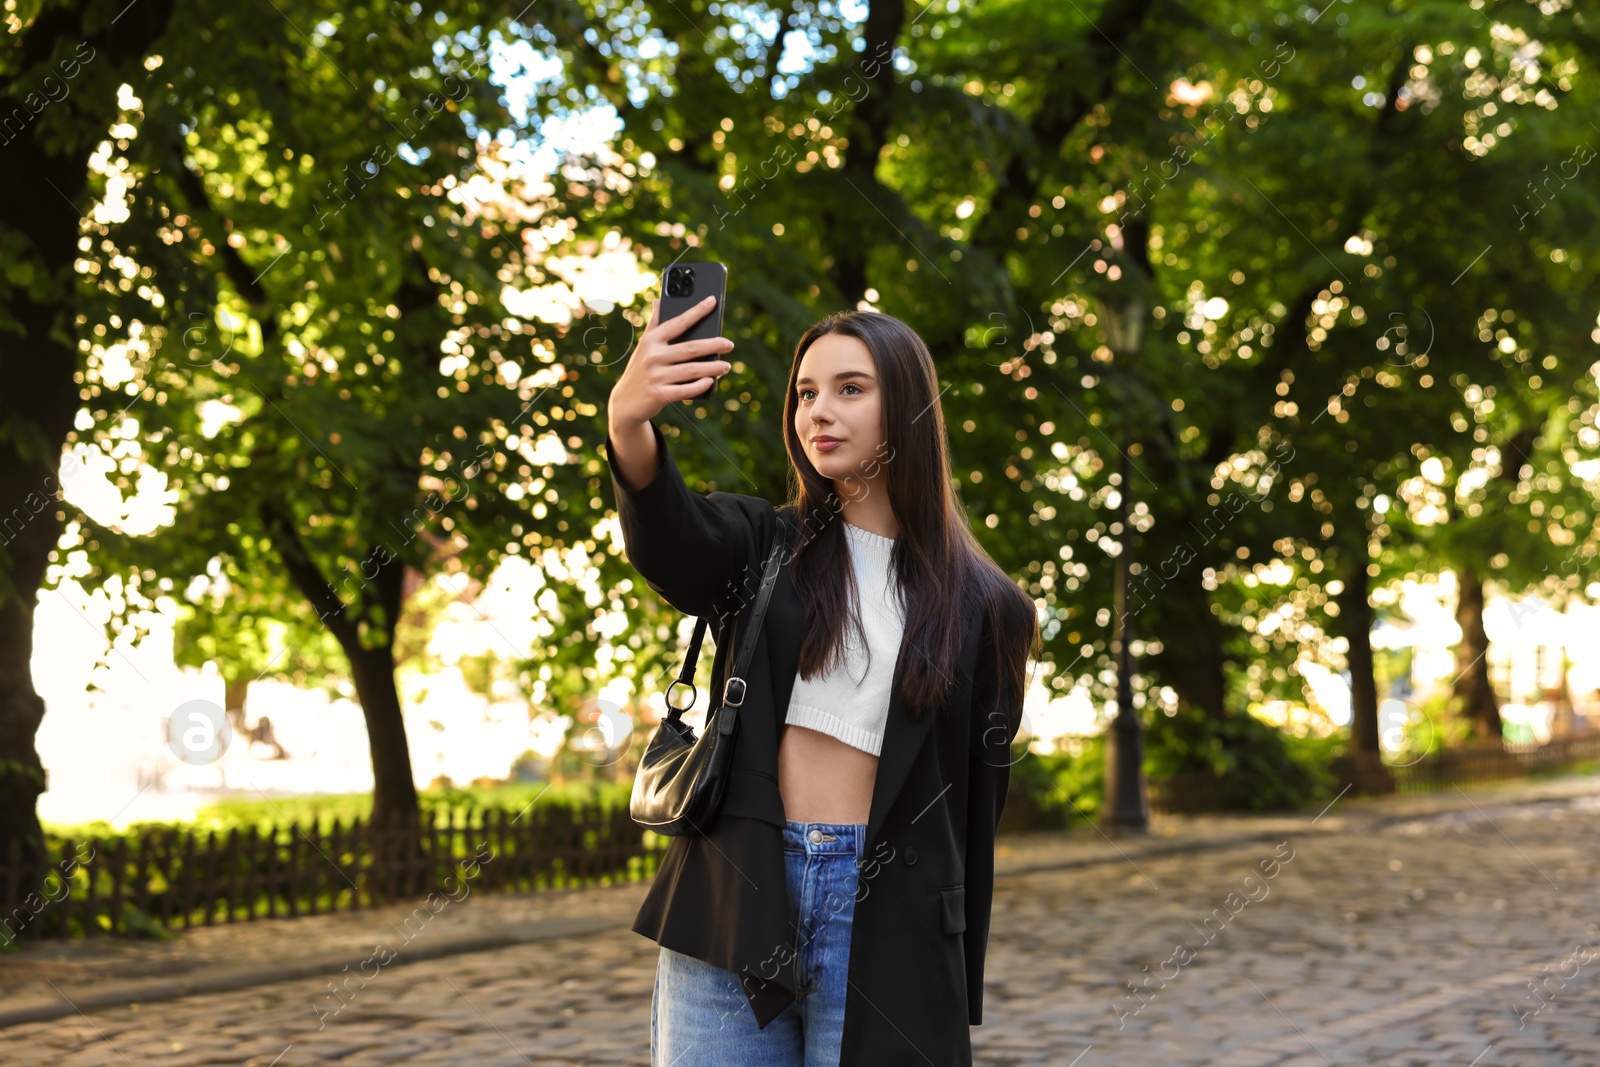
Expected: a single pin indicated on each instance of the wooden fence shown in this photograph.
(1489, 761)
(178, 878)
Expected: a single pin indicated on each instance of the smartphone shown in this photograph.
(686, 285)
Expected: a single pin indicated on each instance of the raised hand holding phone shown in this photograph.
(658, 373)
(684, 288)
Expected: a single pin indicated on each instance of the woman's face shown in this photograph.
(837, 395)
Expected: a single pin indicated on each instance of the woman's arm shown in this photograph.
(635, 457)
(692, 549)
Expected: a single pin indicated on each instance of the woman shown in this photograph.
(837, 911)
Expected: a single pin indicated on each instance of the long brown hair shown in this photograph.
(938, 563)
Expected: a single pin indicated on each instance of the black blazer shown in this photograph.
(922, 910)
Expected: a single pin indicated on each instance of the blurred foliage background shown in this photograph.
(1324, 273)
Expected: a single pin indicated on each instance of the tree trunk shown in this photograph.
(1565, 720)
(238, 689)
(396, 813)
(1191, 657)
(1198, 680)
(396, 839)
(1474, 700)
(22, 775)
(1355, 609)
(394, 791)
(37, 404)
(39, 398)
(377, 609)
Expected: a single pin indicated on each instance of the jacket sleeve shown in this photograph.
(988, 776)
(691, 548)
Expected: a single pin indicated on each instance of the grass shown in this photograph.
(322, 809)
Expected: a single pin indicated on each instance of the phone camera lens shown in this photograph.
(680, 281)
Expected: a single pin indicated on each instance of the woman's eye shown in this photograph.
(805, 394)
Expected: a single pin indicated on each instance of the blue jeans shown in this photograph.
(699, 1016)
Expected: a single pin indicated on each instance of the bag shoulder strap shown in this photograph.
(747, 647)
(733, 689)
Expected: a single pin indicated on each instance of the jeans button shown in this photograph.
(816, 837)
(911, 856)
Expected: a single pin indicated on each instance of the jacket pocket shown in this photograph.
(953, 901)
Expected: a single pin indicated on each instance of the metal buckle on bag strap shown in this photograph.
(728, 712)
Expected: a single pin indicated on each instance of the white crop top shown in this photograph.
(851, 702)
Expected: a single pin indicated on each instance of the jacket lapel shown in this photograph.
(902, 740)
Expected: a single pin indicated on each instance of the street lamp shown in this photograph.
(1126, 806)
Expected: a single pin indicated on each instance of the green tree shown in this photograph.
(277, 224)
(1300, 181)
(61, 66)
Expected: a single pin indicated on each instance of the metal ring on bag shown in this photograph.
(693, 690)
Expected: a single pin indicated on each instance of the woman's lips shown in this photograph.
(826, 445)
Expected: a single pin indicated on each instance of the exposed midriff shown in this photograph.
(822, 779)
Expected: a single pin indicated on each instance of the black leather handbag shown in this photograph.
(681, 780)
